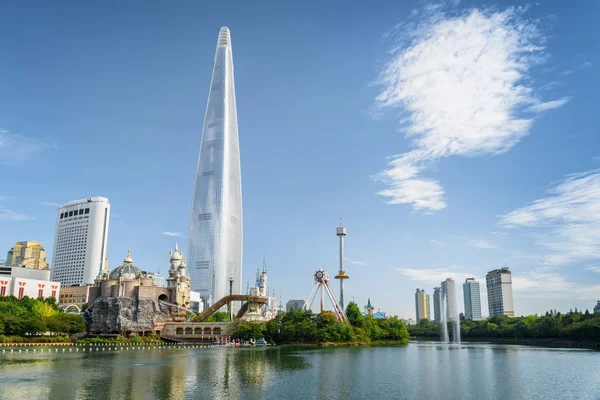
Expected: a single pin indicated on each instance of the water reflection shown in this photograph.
(426, 370)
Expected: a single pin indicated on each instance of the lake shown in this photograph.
(424, 370)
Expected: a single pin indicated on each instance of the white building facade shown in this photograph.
(20, 282)
(449, 295)
(499, 291)
(80, 241)
(472, 299)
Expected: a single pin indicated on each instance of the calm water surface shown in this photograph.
(424, 370)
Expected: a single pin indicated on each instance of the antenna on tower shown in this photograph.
(264, 263)
(341, 220)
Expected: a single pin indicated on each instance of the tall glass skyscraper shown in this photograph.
(215, 235)
(472, 299)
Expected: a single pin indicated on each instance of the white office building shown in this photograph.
(499, 290)
(472, 299)
(449, 295)
(80, 241)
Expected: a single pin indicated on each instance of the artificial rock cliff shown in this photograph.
(111, 315)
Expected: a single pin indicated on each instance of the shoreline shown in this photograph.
(540, 342)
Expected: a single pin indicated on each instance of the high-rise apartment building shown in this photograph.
(449, 296)
(215, 234)
(422, 305)
(437, 304)
(80, 241)
(472, 299)
(28, 254)
(499, 291)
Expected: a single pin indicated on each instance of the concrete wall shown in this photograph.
(197, 330)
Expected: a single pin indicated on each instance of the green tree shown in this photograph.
(249, 330)
(353, 314)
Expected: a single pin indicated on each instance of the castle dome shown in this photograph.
(127, 269)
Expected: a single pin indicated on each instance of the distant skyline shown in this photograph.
(455, 137)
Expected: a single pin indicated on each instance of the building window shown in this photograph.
(70, 213)
(87, 210)
(3, 291)
(21, 292)
(40, 292)
(62, 215)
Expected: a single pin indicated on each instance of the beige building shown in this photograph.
(422, 305)
(28, 254)
(74, 296)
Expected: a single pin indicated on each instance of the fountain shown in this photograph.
(445, 318)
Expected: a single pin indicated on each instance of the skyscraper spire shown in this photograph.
(264, 263)
(215, 234)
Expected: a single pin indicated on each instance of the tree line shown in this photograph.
(35, 317)
(574, 325)
(306, 327)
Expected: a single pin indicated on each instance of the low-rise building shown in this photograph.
(20, 282)
(597, 308)
(74, 296)
(196, 302)
(294, 304)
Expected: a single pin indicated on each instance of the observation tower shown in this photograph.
(341, 233)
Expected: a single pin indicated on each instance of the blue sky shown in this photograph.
(454, 137)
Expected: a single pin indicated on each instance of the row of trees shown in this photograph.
(573, 325)
(30, 317)
(307, 327)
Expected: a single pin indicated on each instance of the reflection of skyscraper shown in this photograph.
(215, 234)
(437, 304)
(472, 299)
(449, 294)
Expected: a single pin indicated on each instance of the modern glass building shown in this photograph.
(215, 234)
(472, 299)
(437, 304)
(499, 291)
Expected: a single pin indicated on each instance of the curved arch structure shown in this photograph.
(70, 307)
(227, 299)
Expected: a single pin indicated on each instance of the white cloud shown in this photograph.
(567, 72)
(543, 283)
(174, 234)
(593, 268)
(549, 105)
(438, 242)
(461, 82)
(10, 215)
(435, 276)
(15, 149)
(566, 221)
(585, 65)
(354, 262)
(481, 243)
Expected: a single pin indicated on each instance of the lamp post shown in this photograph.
(230, 309)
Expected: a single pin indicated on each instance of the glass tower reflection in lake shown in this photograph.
(215, 234)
